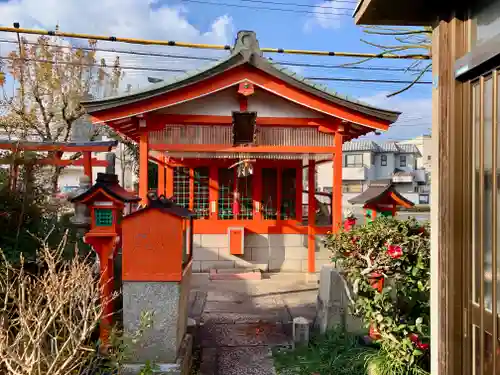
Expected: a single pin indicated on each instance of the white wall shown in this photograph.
(226, 101)
(382, 172)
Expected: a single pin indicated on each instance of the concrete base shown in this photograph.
(267, 252)
(182, 365)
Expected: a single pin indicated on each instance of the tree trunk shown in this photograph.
(55, 179)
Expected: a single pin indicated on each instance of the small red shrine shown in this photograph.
(380, 199)
(231, 143)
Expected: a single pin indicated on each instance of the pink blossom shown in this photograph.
(394, 251)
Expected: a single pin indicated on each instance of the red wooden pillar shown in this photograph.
(337, 184)
(257, 192)
(169, 183)
(191, 189)
(143, 167)
(213, 191)
(161, 179)
(87, 165)
(298, 193)
(279, 195)
(311, 214)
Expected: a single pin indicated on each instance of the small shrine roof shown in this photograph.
(164, 204)
(108, 183)
(379, 189)
(245, 51)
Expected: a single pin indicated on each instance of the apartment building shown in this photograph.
(364, 161)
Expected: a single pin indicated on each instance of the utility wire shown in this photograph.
(214, 59)
(152, 69)
(306, 5)
(172, 43)
(366, 80)
(317, 13)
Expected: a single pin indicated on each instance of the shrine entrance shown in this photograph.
(237, 144)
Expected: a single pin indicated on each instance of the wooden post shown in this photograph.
(298, 195)
(311, 214)
(169, 183)
(337, 184)
(257, 192)
(213, 191)
(143, 167)
(87, 165)
(161, 179)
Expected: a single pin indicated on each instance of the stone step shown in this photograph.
(235, 274)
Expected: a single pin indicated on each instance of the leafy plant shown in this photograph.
(336, 353)
(387, 262)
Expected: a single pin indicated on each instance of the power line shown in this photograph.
(366, 80)
(306, 5)
(152, 69)
(172, 43)
(205, 58)
(271, 9)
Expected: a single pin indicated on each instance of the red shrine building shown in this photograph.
(234, 143)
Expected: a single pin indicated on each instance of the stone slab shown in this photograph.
(207, 265)
(241, 318)
(236, 276)
(285, 265)
(248, 361)
(214, 240)
(234, 335)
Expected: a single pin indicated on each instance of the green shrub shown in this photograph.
(335, 353)
(396, 255)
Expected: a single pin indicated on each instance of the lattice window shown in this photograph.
(103, 217)
(201, 201)
(270, 193)
(288, 195)
(246, 198)
(181, 186)
(226, 196)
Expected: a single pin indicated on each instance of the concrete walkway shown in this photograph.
(240, 321)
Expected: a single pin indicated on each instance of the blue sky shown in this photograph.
(189, 20)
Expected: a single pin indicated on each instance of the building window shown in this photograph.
(428, 157)
(352, 188)
(383, 160)
(402, 161)
(270, 193)
(245, 197)
(289, 190)
(354, 160)
(181, 186)
(200, 204)
(226, 197)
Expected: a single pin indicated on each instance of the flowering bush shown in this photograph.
(387, 263)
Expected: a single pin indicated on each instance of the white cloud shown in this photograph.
(415, 118)
(125, 18)
(325, 16)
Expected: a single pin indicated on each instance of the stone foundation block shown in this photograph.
(286, 240)
(214, 240)
(205, 253)
(295, 252)
(289, 265)
(196, 266)
(207, 265)
(256, 240)
(260, 254)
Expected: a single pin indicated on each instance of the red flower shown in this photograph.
(422, 346)
(394, 251)
(415, 340)
(413, 337)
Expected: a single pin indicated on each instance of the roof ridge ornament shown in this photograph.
(246, 41)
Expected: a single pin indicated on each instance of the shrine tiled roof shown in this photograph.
(245, 51)
(376, 190)
(109, 183)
